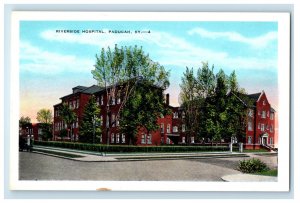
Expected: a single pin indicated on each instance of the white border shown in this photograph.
(283, 20)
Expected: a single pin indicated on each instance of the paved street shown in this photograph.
(33, 166)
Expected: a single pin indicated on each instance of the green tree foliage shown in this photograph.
(90, 129)
(191, 101)
(44, 116)
(121, 70)
(142, 110)
(67, 115)
(215, 103)
(46, 131)
(63, 133)
(24, 120)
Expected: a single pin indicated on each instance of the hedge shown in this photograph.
(130, 148)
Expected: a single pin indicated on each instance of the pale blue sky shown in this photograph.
(52, 63)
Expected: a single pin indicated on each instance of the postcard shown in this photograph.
(150, 101)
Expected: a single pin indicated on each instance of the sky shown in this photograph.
(52, 61)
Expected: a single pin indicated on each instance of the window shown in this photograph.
(74, 104)
(117, 122)
(271, 140)
(168, 141)
(101, 120)
(113, 100)
(262, 127)
(183, 114)
(113, 117)
(183, 139)
(168, 128)
(175, 115)
(143, 141)
(98, 100)
(250, 127)
(175, 129)
(123, 138)
(249, 140)
(107, 121)
(119, 98)
(250, 113)
(112, 138)
(77, 104)
(263, 114)
(183, 127)
(271, 128)
(101, 100)
(192, 140)
(258, 126)
(162, 128)
(117, 138)
(272, 116)
(149, 139)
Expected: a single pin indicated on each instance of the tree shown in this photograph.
(190, 100)
(44, 116)
(68, 116)
(119, 71)
(142, 110)
(215, 105)
(24, 120)
(89, 128)
(46, 130)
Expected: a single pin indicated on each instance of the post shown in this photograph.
(94, 129)
(230, 147)
(240, 147)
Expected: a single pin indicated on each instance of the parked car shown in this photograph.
(24, 144)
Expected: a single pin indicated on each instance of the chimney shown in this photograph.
(167, 99)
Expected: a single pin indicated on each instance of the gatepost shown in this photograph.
(230, 147)
(240, 147)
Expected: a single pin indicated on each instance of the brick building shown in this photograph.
(259, 130)
(32, 130)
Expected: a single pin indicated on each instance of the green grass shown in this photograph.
(59, 153)
(272, 172)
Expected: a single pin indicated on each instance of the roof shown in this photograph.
(86, 90)
(254, 96)
(246, 98)
(92, 90)
(272, 110)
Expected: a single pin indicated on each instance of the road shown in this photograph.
(33, 166)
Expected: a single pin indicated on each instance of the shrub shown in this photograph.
(252, 166)
(130, 148)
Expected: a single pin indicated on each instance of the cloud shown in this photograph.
(255, 42)
(176, 51)
(38, 60)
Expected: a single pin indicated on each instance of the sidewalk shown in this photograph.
(249, 178)
(90, 156)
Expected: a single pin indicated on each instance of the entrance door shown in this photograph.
(264, 141)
